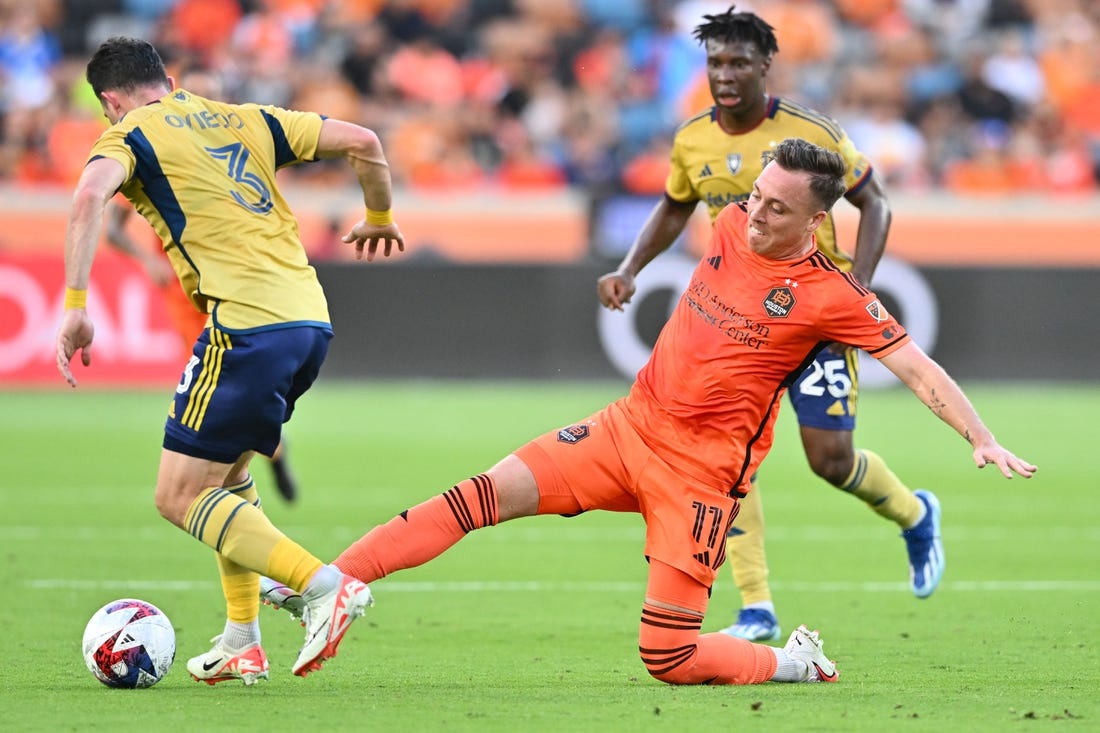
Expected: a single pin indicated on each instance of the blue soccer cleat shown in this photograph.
(926, 558)
(754, 624)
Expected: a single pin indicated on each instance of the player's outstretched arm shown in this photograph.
(363, 151)
(936, 389)
(665, 222)
(98, 183)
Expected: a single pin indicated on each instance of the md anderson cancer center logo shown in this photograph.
(779, 303)
(724, 316)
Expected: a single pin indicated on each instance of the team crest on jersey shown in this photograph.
(573, 434)
(733, 162)
(779, 303)
(877, 311)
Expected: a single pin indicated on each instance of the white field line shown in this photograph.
(566, 533)
(536, 586)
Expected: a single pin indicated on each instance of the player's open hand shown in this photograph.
(1004, 460)
(615, 289)
(369, 236)
(75, 334)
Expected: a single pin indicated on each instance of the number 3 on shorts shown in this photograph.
(188, 375)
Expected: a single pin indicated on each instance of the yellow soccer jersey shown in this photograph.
(719, 168)
(203, 173)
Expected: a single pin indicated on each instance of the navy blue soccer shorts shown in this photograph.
(824, 396)
(238, 389)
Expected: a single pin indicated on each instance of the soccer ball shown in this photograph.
(129, 643)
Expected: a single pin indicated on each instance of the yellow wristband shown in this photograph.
(380, 218)
(75, 298)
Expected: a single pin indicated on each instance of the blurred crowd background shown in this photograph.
(967, 96)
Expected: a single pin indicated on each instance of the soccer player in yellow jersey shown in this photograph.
(187, 321)
(202, 173)
(715, 158)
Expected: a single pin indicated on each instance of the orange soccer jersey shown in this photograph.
(743, 331)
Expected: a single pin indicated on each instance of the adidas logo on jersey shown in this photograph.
(715, 261)
(706, 171)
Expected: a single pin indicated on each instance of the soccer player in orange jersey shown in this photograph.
(680, 448)
(716, 156)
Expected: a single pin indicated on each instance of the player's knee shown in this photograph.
(169, 508)
(173, 503)
(834, 465)
(831, 471)
(671, 666)
(515, 487)
(830, 453)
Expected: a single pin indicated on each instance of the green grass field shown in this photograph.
(532, 626)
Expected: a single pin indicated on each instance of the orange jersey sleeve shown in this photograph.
(742, 332)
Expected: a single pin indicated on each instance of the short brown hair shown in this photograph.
(826, 167)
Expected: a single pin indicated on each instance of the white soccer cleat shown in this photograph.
(279, 596)
(222, 665)
(806, 646)
(327, 620)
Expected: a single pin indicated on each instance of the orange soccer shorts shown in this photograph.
(603, 463)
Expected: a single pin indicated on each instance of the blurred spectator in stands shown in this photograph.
(1059, 154)
(1013, 70)
(362, 60)
(604, 69)
(978, 100)
(926, 74)
(991, 170)
(894, 144)
(670, 59)
(953, 23)
(432, 152)
(591, 84)
(203, 26)
(524, 166)
(1010, 15)
(425, 72)
(71, 136)
(867, 14)
(809, 34)
(645, 174)
(262, 52)
(1069, 51)
(29, 56)
(945, 129)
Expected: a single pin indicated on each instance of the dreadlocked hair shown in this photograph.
(734, 27)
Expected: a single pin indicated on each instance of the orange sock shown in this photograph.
(419, 534)
(672, 648)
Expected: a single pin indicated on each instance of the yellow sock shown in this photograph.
(240, 531)
(745, 550)
(872, 481)
(240, 586)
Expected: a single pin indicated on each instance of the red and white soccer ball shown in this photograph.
(129, 643)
